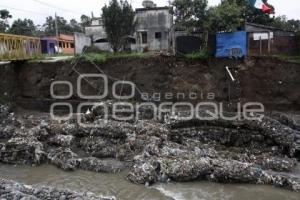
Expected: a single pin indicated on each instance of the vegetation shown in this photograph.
(27, 26)
(224, 17)
(4, 16)
(118, 18)
(198, 55)
(189, 13)
(23, 27)
(104, 56)
(289, 58)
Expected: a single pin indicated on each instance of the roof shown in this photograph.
(48, 38)
(61, 37)
(266, 27)
(153, 8)
(66, 37)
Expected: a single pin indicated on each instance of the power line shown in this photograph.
(56, 7)
(22, 10)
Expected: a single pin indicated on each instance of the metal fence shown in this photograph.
(18, 47)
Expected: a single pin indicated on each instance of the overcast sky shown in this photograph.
(37, 11)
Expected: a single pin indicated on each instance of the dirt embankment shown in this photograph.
(267, 80)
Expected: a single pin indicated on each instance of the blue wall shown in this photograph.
(48, 46)
(231, 44)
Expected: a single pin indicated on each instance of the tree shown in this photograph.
(85, 21)
(252, 14)
(283, 23)
(63, 25)
(23, 27)
(118, 19)
(224, 17)
(4, 16)
(75, 26)
(189, 13)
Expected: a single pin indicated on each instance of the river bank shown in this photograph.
(263, 151)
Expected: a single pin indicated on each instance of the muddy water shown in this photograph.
(116, 185)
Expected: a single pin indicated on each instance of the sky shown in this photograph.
(38, 10)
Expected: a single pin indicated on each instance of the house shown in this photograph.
(152, 31)
(96, 32)
(61, 44)
(269, 40)
(66, 43)
(49, 45)
(256, 39)
(153, 27)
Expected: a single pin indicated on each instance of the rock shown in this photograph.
(22, 151)
(245, 151)
(62, 140)
(101, 165)
(12, 190)
(64, 158)
(99, 147)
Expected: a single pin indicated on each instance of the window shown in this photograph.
(60, 44)
(144, 37)
(72, 45)
(157, 35)
(64, 45)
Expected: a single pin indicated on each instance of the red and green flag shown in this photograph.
(261, 4)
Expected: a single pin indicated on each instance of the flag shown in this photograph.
(259, 4)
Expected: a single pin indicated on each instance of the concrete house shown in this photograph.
(153, 27)
(152, 30)
(97, 34)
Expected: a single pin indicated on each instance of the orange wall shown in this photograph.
(67, 46)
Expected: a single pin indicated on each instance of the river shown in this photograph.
(117, 185)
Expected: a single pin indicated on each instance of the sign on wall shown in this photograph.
(262, 36)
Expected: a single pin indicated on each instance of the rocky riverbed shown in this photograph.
(262, 151)
(12, 190)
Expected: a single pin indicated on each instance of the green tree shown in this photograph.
(4, 16)
(85, 20)
(118, 19)
(189, 13)
(283, 23)
(75, 26)
(252, 14)
(63, 25)
(224, 17)
(23, 27)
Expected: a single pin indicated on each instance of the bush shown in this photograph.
(198, 55)
(104, 56)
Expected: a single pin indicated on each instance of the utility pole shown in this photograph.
(56, 26)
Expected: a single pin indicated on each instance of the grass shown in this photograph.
(289, 58)
(103, 57)
(198, 55)
(4, 99)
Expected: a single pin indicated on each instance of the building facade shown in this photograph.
(153, 28)
(152, 33)
(264, 40)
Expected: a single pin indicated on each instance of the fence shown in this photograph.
(266, 43)
(18, 47)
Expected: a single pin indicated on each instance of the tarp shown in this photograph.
(232, 44)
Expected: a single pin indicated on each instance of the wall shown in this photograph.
(81, 40)
(152, 21)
